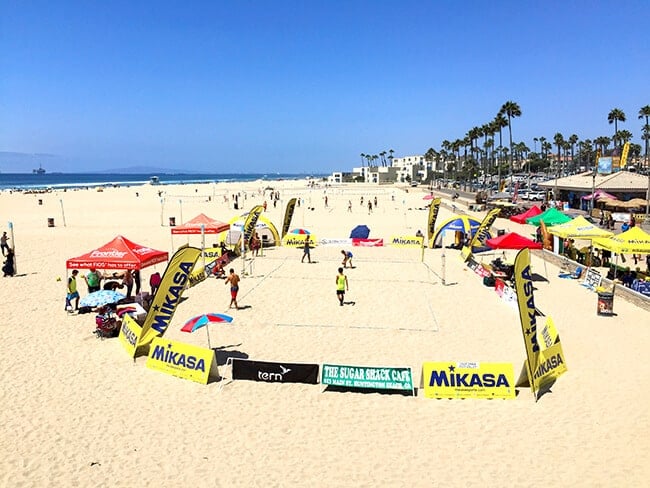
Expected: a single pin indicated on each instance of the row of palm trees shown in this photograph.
(371, 159)
(488, 158)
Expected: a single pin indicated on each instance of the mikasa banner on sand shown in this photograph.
(544, 356)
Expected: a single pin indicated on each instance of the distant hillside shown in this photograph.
(140, 170)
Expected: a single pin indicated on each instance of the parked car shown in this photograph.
(537, 196)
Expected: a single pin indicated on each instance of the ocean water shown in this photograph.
(30, 181)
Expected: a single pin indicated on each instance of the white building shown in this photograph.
(402, 170)
(410, 168)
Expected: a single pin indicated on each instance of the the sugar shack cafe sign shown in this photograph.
(376, 378)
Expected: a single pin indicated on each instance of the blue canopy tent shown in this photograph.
(458, 223)
(360, 232)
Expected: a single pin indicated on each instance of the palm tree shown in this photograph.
(499, 123)
(624, 135)
(362, 158)
(511, 110)
(546, 148)
(566, 146)
(456, 145)
(615, 116)
(645, 136)
(603, 143)
(429, 157)
(644, 113)
(585, 153)
(489, 144)
(558, 139)
(572, 141)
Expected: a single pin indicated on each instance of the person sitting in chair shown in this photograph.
(218, 271)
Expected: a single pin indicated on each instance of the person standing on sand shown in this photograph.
(233, 279)
(127, 280)
(306, 250)
(137, 281)
(93, 279)
(3, 243)
(341, 286)
(350, 206)
(73, 294)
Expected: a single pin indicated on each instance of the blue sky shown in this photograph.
(304, 86)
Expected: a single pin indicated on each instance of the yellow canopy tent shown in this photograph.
(633, 241)
(579, 228)
(264, 227)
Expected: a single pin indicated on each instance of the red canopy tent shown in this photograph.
(531, 212)
(515, 241)
(210, 226)
(120, 253)
(512, 241)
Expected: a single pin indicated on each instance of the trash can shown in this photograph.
(172, 221)
(40, 201)
(50, 222)
(605, 303)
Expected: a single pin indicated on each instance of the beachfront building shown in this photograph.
(402, 170)
(336, 177)
(381, 174)
(624, 185)
(410, 168)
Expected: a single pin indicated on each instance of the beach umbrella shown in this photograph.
(205, 319)
(100, 298)
(300, 232)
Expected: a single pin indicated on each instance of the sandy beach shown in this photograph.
(77, 411)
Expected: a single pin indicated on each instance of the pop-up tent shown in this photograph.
(264, 228)
(201, 224)
(599, 194)
(633, 241)
(460, 223)
(512, 241)
(552, 216)
(579, 228)
(360, 232)
(531, 212)
(120, 253)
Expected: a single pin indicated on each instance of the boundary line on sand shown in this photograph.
(326, 326)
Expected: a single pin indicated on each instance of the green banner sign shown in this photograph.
(367, 377)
